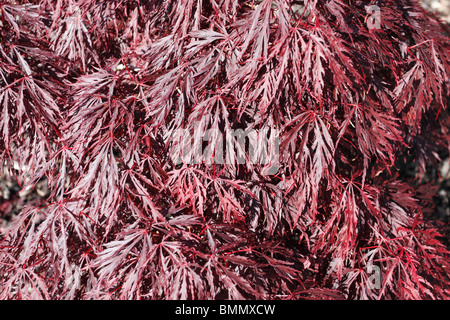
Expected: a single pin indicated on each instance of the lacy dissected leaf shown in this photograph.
(221, 149)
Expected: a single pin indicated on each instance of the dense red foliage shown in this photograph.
(92, 91)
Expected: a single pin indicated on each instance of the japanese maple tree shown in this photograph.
(93, 92)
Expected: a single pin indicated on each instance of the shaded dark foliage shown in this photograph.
(91, 92)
